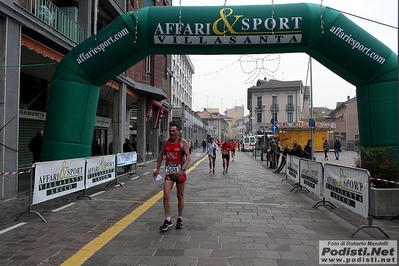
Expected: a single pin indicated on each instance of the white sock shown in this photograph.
(167, 218)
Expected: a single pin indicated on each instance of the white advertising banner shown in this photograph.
(100, 169)
(293, 167)
(126, 158)
(58, 178)
(311, 175)
(347, 187)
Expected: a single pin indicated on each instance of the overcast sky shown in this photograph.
(215, 73)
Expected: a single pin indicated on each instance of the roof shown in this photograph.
(212, 115)
(275, 84)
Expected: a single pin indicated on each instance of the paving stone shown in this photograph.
(249, 217)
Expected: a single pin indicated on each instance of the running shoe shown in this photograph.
(213, 170)
(179, 223)
(210, 171)
(226, 171)
(166, 225)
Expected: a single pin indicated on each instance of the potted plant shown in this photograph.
(382, 163)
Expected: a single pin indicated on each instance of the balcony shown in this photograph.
(290, 107)
(274, 108)
(56, 18)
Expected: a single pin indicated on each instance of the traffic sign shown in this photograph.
(274, 128)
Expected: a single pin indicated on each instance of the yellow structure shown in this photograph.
(301, 133)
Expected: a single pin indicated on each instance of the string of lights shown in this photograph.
(252, 66)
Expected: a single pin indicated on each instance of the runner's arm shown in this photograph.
(159, 159)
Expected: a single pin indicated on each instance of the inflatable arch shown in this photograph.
(334, 41)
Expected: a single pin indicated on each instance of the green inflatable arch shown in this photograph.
(334, 41)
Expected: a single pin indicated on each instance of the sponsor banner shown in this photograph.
(311, 175)
(126, 158)
(100, 169)
(293, 167)
(229, 40)
(361, 252)
(58, 178)
(345, 186)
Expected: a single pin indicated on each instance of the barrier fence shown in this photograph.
(53, 179)
(347, 187)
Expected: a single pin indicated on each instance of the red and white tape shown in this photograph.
(382, 180)
(16, 173)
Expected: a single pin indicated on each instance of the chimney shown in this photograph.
(348, 98)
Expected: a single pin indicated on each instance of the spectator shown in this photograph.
(326, 147)
(127, 147)
(337, 148)
(35, 145)
(204, 145)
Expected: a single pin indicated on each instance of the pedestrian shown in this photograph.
(279, 152)
(226, 148)
(233, 150)
(337, 148)
(196, 143)
(308, 146)
(96, 147)
(35, 145)
(273, 154)
(127, 147)
(211, 149)
(326, 147)
(177, 158)
(204, 145)
(283, 159)
(190, 144)
(294, 144)
(308, 149)
(134, 144)
(300, 152)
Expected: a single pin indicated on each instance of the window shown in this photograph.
(290, 99)
(259, 102)
(148, 64)
(149, 3)
(274, 99)
(274, 109)
(102, 108)
(290, 117)
(259, 117)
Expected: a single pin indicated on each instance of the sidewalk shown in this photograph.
(247, 217)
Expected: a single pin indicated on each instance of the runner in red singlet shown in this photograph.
(177, 156)
(226, 148)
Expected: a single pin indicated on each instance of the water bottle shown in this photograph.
(159, 177)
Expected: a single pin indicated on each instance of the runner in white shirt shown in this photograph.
(211, 150)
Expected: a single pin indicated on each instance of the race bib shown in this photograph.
(172, 168)
(225, 152)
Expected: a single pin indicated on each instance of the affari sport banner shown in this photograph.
(58, 178)
(347, 187)
(293, 167)
(100, 169)
(126, 158)
(311, 175)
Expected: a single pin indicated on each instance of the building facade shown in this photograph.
(182, 80)
(36, 35)
(217, 124)
(276, 101)
(346, 118)
(236, 113)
